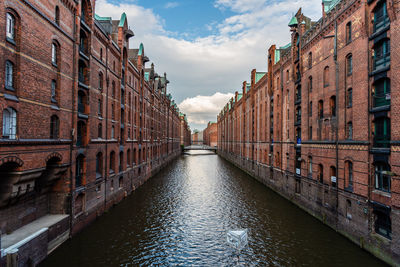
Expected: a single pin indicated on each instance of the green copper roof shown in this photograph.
(329, 4)
(97, 17)
(277, 55)
(286, 46)
(146, 76)
(122, 20)
(141, 49)
(259, 75)
(293, 22)
(239, 96)
(247, 87)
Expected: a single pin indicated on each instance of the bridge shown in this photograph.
(200, 147)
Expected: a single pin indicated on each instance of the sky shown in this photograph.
(207, 47)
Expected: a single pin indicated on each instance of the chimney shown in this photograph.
(323, 9)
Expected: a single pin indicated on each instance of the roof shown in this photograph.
(99, 18)
(122, 20)
(277, 55)
(141, 50)
(329, 4)
(259, 75)
(247, 87)
(293, 22)
(146, 75)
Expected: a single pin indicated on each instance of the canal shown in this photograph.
(181, 217)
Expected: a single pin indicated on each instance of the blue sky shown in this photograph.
(207, 47)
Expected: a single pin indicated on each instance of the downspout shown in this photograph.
(71, 146)
(281, 85)
(337, 122)
(106, 154)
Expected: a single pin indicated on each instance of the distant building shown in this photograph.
(210, 134)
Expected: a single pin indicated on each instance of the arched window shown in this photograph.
(326, 76)
(10, 27)
(9, 76)
(349, 64)
(382, 177)
(333, 176)
(381, 18)
(79, 171)
(310, 60)
(349, 175)
(320, 173)
(121, 161)
(112, 162)
(348, 32)
(53, 91)
(350, 130)
(382, 92)
(349, 97)
(100, 81)
(99, 165)
(332, 103)
(287, 75)
(310, 84)
(310, 167)
(9, 123)
(57, 16)
(54, 53)
(112, 112)
(321, 109)
(99, 131)
(381, 54)
(54, 127)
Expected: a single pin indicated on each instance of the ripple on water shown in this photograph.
(181, 216)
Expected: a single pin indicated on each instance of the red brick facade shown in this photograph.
(210, 135)
(84, 122)
(321, 126)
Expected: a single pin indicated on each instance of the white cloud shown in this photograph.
(171, 5)
(222, 60)
(202, 109)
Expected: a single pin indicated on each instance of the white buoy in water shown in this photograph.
(237, 239)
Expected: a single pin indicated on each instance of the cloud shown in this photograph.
(171, 5)
(202, 109)
(218, 62)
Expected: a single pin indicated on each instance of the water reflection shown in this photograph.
(181, 216)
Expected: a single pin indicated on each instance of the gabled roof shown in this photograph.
(293, 22)
(122, 20)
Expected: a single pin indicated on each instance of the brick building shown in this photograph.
(210, 134)
(84, 121)
(185, 133)
(319, 127)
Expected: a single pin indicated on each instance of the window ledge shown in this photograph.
(11, 97)
(54, 64)
(55, 107)
(9, 88)
(11, 41)
(382, 193)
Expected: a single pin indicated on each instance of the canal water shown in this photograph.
(181, 216)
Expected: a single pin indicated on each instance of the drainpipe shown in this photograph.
(106, 122)
(71, 146)
(337, 122)
(281, 85)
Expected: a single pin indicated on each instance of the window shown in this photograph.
(54, 58)
(382, 132)
(350, 130)
(310, 109)
(121, 161)
(79, 171)
(320, 173)
(333, 176)
(348, 32)
(310, 84)
(99, 107)
(101, 54)
(81, 134)
(10, 24)
(112, 112)
(349, 63)
(112, 161)
(310, 60)
(326, 76)
(321, 109)
(53, 91)
(128, 157)
(310, 167)
(9, 79)
(57, 16)
(310, 133)
(382, 92)
(349, 174)
(332, 103)
(383, 224)
(113, 89)
(287, 76)
(382, 177)
(381, 19)
(382, 54)
(349, 97)
(54, 127)
(100, 81)
(81, 101)
(99, 131)
(99, 165)
(9, 123)
(112, 132)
